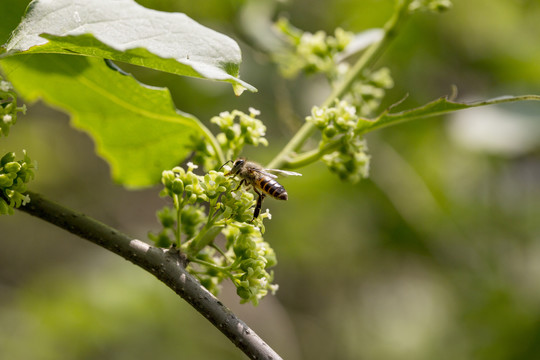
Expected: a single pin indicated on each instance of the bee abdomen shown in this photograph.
(273, 188)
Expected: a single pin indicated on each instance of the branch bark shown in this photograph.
(167, 266)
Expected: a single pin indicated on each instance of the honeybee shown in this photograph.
(261, 180)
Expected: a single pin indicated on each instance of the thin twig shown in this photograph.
(167, 266)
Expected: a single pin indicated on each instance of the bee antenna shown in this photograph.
(228, 161)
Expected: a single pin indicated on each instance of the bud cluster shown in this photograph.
(348, 158)
(308, 52)
(367, 92)
(204, 207)
(8, 107)
(14, 175)
(239, 129)
(252, 257)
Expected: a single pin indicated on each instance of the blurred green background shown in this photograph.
(436, 256)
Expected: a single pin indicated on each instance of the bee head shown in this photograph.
(237, 166)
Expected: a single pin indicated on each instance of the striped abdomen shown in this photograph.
(272, 187)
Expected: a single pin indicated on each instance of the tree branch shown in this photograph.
(167, 266)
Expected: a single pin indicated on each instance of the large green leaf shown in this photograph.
(136, 128)
(437, 107)
(125, 31)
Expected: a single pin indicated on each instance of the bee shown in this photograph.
(263, 181)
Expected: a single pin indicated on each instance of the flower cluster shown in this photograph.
(203, 207)
(366, 93)
(14, 174)
(189, 192)
(347, 149)
(308, 52)
(8, 107)
(239, 129)
(252, 257)
(430, 5)
(350, 161)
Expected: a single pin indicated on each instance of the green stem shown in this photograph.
(221, 252)
(207, 234)
(214, 143)
(178, 206)
(367, 59)
(208, 264)
(311, 156)
(204, 238)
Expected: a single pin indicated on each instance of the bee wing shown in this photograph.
(264, 172)
(281, 172)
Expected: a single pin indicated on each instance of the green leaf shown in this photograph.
(125, 31)
(437, 107)
(10, 16)
(136, 127)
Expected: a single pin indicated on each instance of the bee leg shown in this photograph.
(258, 206)
(241, 183)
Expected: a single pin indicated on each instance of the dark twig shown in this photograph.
(167, 266)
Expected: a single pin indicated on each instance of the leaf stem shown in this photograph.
(368, 58)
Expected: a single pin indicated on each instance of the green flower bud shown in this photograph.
(166, 217)
(167, 177)
(230, 134)
(12, 167)
(243, 292)
(162, 240)
(5, 181)
(178, 170)
(192, 218)
(5, 209)
(9, 157)
(177, 186)
(192, 199)
(330, 131)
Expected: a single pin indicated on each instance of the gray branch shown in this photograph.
(167, 266)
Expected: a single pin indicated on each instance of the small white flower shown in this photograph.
(192, 166)
(342, 68)
(237, 129)
(5, 86)
(237, 195)
(319, 112)
(254, 112)
(26, 199)
(351, 110)
(7, 119)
